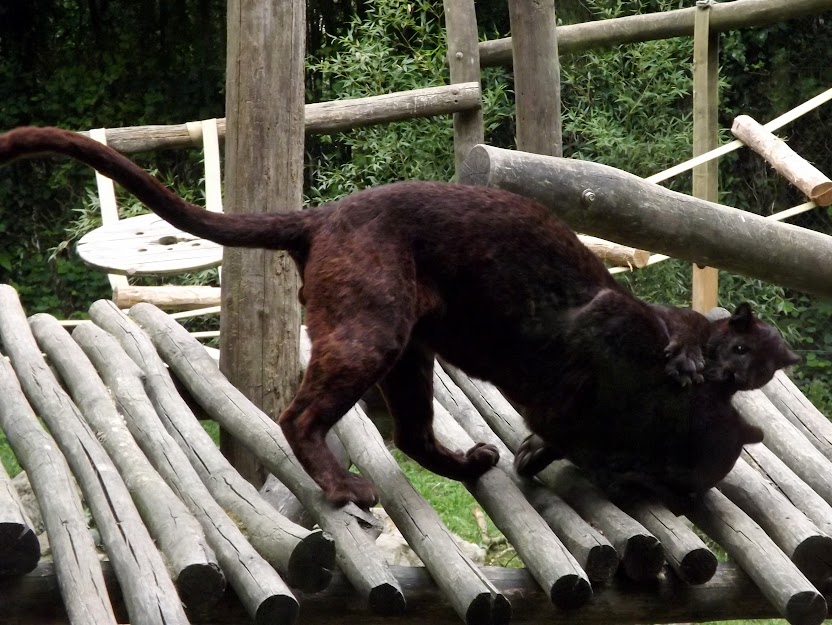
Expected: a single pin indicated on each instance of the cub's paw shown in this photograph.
(534, 455)
(352, 488)
(481, 457)
(685, 363)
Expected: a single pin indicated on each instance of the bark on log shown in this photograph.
(168, 297)
(591, 549)
(192, 563)
(357, 554)
(778, 579)
(548, 560)
(264, 594)
(613, 204)
(77, 566)
(796, 169)
(320, 118)
(800, 412)
(788, 527)
(19, 546)
(663, 25)
(640, 552)
(150, 592)
(615, 253)
(786, 441)
(34, 600)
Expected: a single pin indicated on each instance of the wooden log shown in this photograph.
(34, 600)
(800, 412)
(591, 549)
(536, 76)
(357, 554)
(168, 297)
(464, 66)
(474, 599)
(191, 561)
(796, 169)
(150, 593)
(798, 492)
(607, 202)
(640, 552)
(796, 535)
(548, 560)
(320, 118)
(304, 558)
(77, 570)
(19, 546)
(615, 253)
(258, 352)
(786, 441)
(779, 580)
(663, 25)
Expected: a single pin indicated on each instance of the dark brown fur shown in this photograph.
(394, 275)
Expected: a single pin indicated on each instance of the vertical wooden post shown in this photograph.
(464, 63)
(260, 320)
(536, 76)
(705, 138)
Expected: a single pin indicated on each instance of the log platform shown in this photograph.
(114, 378)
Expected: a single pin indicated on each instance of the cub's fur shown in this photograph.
(394, 275)
(666, 440)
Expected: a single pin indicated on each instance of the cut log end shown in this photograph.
(821, 194)
(312, 562)
(489, 609)
(19, 549)
(387, 600)
(200, 586)
(277, 609)
(814, 557)
(601, 563)
(570, 592)
(698, 566)
(806, 608)
(643, 558)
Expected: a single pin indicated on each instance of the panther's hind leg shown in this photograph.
(408, 391)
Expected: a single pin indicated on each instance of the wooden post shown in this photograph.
(705, 138)
(464, 63)
(536, 76)
(264, 162)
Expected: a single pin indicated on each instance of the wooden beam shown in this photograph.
(261, 315)
(613, 204)
(536, 76)
(320, 117)
(34, 599)
(665, 25)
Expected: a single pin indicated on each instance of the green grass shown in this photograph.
(7, 457)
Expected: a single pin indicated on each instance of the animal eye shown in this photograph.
(740, 349)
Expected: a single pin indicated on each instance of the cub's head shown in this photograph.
(745, 352)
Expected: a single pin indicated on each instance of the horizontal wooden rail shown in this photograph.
(34, 599)
(666, 25)
(320, 118)
(610, 203)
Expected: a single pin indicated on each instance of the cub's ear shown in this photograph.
(742, 318)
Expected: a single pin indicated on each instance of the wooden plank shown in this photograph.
(194, 566)
(615, 253)
(590, 548)
(264, 173)
(34, 600)
(357, 554)
(321, 117)
(150, 592)
(464, 65)
(779, 580)
(663, 25)
(78, 581)
(613, 204)
(168, 297)
(788, 163)
(536, 76)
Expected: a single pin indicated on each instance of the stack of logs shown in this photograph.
(150, 475)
